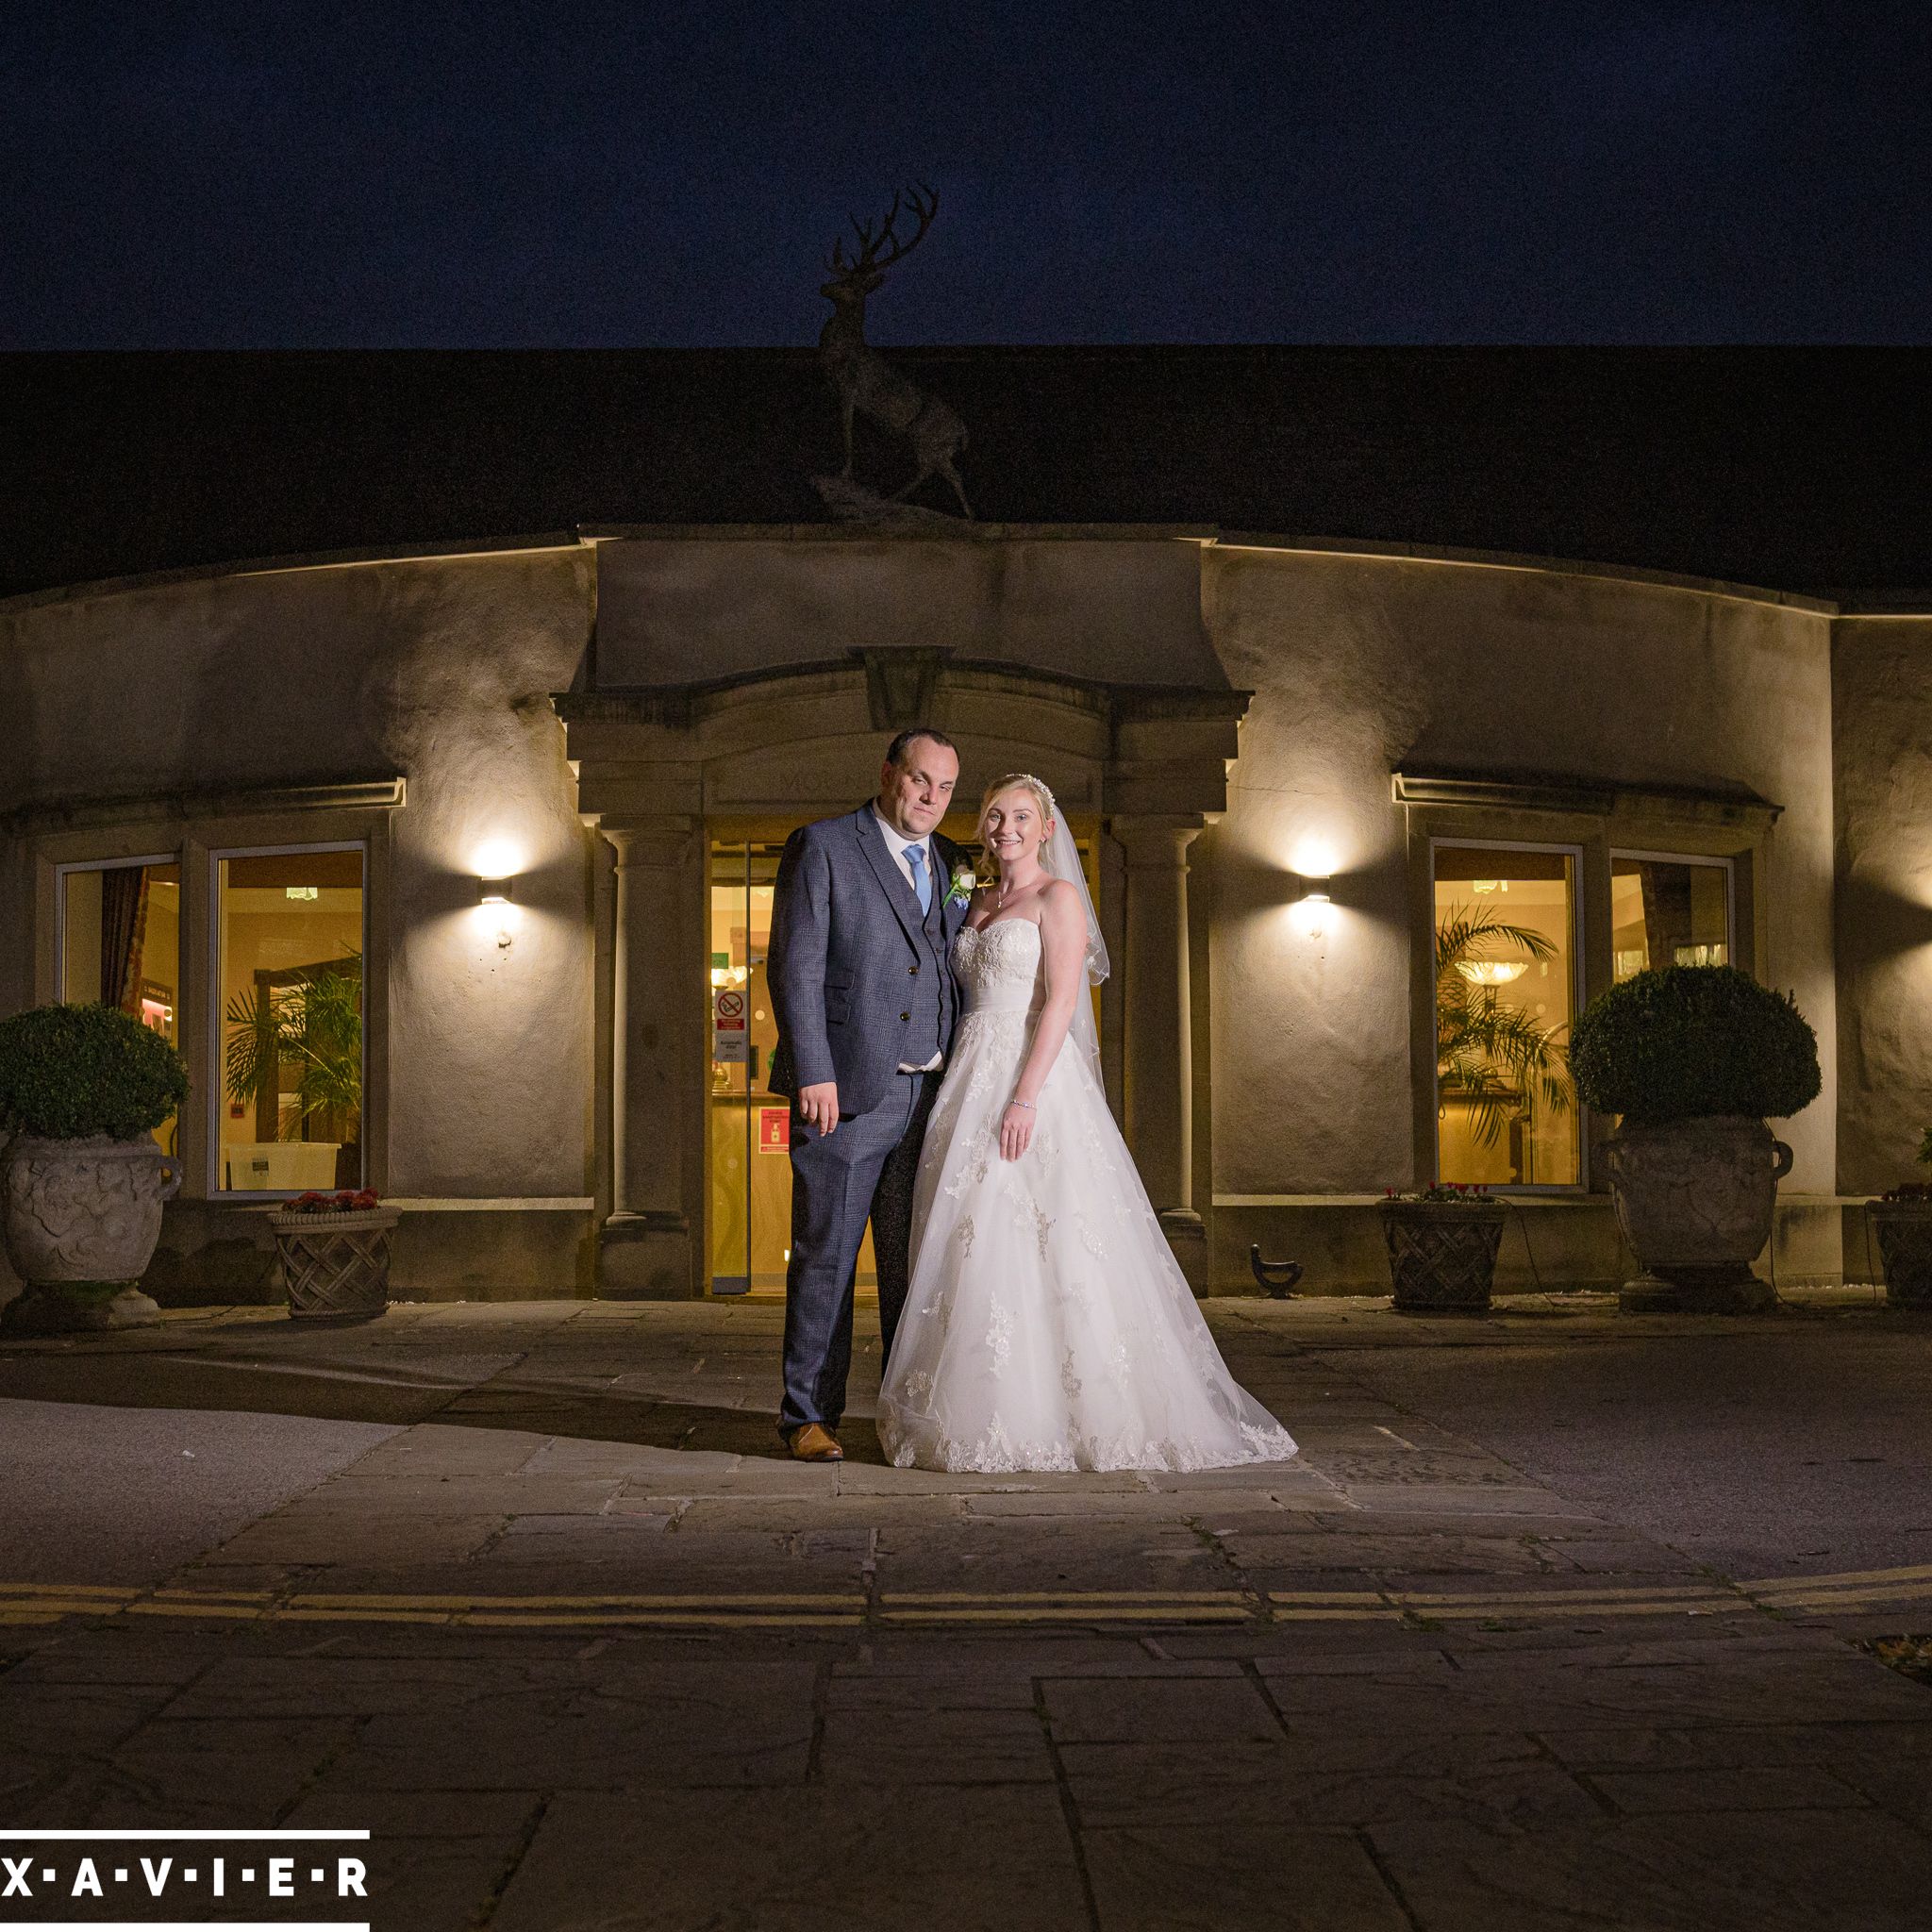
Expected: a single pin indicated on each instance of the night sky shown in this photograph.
(487, 176)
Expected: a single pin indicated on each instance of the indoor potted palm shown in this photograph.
(1901, 1221)
(82, 1088)
(1488, 1048)
(308, 1028)
(1694, 1059)
(1442, 1240)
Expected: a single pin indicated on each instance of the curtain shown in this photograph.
(124, 932)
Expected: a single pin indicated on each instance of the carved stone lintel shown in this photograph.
(900, 680)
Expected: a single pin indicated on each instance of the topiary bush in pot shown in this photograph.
(81, 1181)
(1694, 1059)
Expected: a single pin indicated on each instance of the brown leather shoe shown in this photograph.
(814, 1442)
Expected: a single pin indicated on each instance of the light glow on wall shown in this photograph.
(499, 858)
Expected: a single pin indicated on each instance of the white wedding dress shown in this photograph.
(1048, 1326)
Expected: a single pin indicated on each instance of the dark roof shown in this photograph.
(1803, 470)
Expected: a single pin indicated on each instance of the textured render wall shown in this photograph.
(438, 670)
(1882, 731)
(1360, 665)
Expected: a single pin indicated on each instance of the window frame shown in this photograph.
(1729, 863)
(213, 1115)
(1579, 926)
(64, 869)
(1674, 823)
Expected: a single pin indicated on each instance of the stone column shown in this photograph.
(647, 1247)
(1159, 1059)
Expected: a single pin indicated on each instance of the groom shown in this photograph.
(862, 923)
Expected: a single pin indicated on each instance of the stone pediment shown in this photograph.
(801, 741)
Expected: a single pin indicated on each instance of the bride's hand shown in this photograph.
(1016, 1130)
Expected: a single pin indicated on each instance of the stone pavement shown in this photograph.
(1555, 1622)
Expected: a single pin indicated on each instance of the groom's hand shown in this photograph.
(819, 1105)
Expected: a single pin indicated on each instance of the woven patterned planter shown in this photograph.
(1904, 1232)
(1443, 1255)
(335, 1262)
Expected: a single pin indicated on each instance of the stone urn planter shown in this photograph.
(82, 1184)
(1902, 1226)
(1694, 1201)
(81, 1218)
(1694, 1059)
(1442, 1252)
(334, 1252)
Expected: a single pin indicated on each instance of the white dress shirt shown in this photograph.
(898, 845)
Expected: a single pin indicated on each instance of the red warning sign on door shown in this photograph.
(728, 1009)
(775, 1130)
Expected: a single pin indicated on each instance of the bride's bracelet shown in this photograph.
(1027, 1104)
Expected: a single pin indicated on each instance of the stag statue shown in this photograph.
(866, 384)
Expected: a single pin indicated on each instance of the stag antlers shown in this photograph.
(925, 203)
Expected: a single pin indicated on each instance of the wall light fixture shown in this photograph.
(493, 891)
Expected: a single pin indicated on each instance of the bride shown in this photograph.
(1047, 1325)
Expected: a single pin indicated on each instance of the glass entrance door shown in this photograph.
(750, 1126)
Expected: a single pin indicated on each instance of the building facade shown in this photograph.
(448, 866)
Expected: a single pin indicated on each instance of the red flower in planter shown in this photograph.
(349, 1201)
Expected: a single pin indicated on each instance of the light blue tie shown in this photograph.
(915, 858)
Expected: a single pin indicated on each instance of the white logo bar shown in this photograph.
(89, 1837)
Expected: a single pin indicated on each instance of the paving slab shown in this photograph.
(1236, 1877)
(1502, 1648)
(961, 1859)
(1708, 1872)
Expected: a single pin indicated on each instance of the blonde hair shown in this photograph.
(1018, 782)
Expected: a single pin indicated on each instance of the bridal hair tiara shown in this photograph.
(1038, 787)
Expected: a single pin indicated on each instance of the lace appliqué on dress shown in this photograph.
(1097, 1356)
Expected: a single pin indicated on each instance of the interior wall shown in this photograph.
(1361, 665)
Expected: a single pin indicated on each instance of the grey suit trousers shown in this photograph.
(864, 1170)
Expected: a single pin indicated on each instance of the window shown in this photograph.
(288, 999)
(1505, 989)
(120, 944)
(1667, 909)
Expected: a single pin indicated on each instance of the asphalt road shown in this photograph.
(97, 1494)
(1770, 1448)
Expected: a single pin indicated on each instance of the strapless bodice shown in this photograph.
(997, 966)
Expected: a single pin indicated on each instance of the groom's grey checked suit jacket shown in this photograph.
(862, 986)
(859, 977)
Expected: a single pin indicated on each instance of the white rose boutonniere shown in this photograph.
(963, 883)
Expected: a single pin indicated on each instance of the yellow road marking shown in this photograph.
(1354, 1613)
(713, 1619)
(1062, 1596)
(1505, 1613)
(112, 1589)
(1844, 1600)
(190, 1609)
(1329, 1596)
(1661, 1592)
(776, 1600)
(1074, 1613)
(46, 1603)
(1912, 1573)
